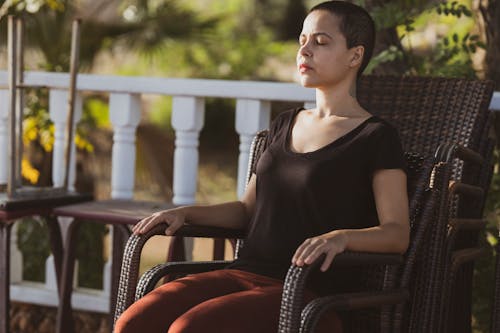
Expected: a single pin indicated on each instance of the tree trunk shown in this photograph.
(491, 15)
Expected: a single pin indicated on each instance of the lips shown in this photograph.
(304, 68)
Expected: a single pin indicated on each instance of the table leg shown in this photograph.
(64, 320)
(56, 246)
(219, 248)
(4, 277)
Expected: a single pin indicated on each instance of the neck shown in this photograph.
(339, 100)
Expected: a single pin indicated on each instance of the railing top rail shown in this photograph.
(260, 90)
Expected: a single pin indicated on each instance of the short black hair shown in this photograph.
(356, 25)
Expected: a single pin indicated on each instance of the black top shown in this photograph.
(302, 195)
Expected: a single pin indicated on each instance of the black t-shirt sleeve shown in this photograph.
(387, 150)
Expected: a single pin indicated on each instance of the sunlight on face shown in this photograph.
(323, 58)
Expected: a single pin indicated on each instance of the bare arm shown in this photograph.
(234, 214)
(391, 236)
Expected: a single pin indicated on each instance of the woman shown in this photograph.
(330, 179)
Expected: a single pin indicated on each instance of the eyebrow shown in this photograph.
(318, 34)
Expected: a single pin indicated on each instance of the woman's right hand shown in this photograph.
(175, 219)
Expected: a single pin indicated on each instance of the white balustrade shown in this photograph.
(251, 117)
(125, 113)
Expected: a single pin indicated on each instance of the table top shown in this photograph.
(14, 208)
(112, 211)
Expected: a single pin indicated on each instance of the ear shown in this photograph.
(357, 55)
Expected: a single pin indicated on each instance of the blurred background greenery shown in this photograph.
(218, 39)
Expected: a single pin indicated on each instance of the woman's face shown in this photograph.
(323, 59)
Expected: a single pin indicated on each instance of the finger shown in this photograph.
(328, 260)
(299, 251)
(154, 220)
(314, 254)
(146, 225)
(305, 253)
(136, 229)
(171, 229)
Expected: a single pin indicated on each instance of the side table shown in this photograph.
(14, 209)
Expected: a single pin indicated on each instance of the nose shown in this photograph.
(304, 50)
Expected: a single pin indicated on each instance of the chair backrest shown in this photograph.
(429, 111)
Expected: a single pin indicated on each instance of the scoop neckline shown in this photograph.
(337, 141)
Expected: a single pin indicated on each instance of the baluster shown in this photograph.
(251, 117)
(4, 137)
(125, 114)
(58, 107)
(16, 257)
(50, 274)
(188, 114)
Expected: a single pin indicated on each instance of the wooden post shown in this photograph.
(19, 114)
(75, 50)
(11, 47)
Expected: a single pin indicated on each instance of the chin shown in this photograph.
(307, 83)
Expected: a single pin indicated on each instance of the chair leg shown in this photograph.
(120, 235)
(64, 320)
(56, 246)
(4, 276)
(219, 248)
(176, 252)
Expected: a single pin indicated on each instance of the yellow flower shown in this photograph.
(29, 172)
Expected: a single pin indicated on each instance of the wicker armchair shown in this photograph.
(427, 112)
(385, 284)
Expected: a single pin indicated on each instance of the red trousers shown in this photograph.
(223, 301)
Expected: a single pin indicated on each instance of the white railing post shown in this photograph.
(251, 117)
(188, 114)
(16, 257)
(4, 136)
(50, 274)
(125, 114)
(58, 110)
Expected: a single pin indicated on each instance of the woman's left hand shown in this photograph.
(331, 244)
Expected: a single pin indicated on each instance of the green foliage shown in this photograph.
(161, 112)
(450, 56)
(89, 253)
(33, 242)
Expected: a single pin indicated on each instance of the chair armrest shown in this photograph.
(446, 152)
(189, 230)
(151, 277)
(295, 281)
(314, 310)
(131, 258)
(348, 259)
